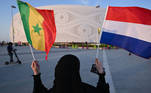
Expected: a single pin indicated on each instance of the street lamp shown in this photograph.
(98, 30)
(97, 6)
(12, 6)
(98, 34)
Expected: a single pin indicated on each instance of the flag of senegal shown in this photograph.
(39, 26)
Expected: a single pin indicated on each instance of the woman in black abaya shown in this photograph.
(67, 78)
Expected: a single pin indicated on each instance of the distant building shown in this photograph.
(74, 23)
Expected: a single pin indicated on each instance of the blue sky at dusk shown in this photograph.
(5, 9)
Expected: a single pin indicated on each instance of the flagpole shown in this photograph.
(103, 22)
(97, 50)
(99, 33)
(108, 76)
(31, 50)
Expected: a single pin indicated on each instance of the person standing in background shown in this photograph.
(10, 51)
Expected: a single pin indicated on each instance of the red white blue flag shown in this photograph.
(128, 28)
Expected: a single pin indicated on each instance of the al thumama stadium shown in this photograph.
(74, 23)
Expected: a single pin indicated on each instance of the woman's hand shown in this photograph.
(35, 67)
(99, 66)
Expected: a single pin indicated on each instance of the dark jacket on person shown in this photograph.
(68, 80)
(10, 48)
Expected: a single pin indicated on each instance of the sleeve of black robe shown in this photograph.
(102, 86)
(38, 86)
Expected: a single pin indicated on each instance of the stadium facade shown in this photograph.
(74, 23)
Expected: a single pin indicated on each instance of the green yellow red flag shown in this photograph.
(39, 26)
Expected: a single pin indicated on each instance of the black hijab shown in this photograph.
(67, 76)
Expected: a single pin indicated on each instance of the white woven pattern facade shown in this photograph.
(74, 23)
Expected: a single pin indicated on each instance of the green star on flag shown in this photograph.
(37, 29)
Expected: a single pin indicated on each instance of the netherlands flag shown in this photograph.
(128, 28)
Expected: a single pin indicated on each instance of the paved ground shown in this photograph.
(130, 74)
